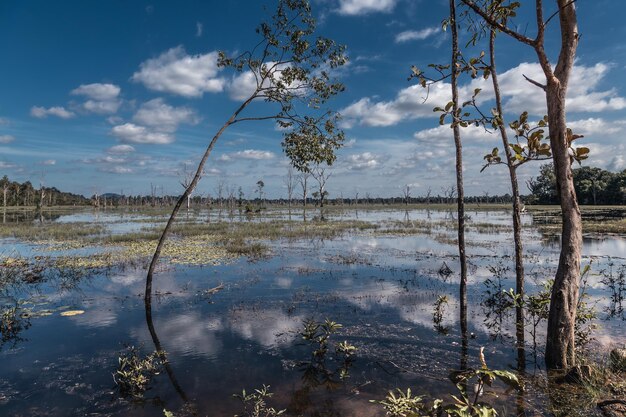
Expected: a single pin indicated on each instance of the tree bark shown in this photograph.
(517, 222)
(459, 171)
(560, 344)
(183, 197)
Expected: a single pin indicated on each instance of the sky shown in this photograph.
(118, 96)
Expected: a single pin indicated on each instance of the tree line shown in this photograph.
(593, 186)
(26, 195)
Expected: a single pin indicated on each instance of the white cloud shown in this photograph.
(360, 7)
(242, 86)
(199, 28)
(416, 35)
(49, 162)
(250, 154)
(408, 104)
(518, 96)
(363, 161)
(132, 133)
(101, 98)
(162, 117)
(176, 72)
(121, 149)
(6, 139)
(4, 121)
(42, 112)
(595, 126)
(6, 165)
(442, 135)
(117, 170)
(97, 91)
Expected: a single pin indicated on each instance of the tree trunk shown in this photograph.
(179, 203)
(517, 222)
(459, 171)
(560, 344)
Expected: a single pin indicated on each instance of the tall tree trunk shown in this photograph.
(517, 222)
(560, 344)
(183, 197)
(459, 170)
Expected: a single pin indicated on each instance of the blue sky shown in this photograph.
(114, 96)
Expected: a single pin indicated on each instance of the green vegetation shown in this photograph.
(134, 373)
(255, 405)
(465, 404)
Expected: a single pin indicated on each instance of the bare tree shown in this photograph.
(303, 180)
(321, 175)
(290, 183)
(406, 193)
(186, 177)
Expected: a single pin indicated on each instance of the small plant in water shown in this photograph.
(134, 373)
(254, 403)
(318, 334)
(438, 313)
(615, 281)
(497, 302)
(401, 404)
(12, 322)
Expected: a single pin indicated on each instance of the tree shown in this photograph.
(292, 71)
(303, 179)
(259, 190)
(290, 183)
(5, 184)
(186, 177)
(560, 344)
(406, 193)
(321, 176)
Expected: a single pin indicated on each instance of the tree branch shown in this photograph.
(533, 82)
(498, 25)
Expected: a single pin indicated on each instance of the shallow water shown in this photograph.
(381, 288)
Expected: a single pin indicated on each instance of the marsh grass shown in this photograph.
(34, 232)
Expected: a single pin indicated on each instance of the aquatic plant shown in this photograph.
(438, 313)
(255, 405)
(134, 373)
(464, 404)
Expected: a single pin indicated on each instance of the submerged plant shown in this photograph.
(497, 302)
(615, 281)
(12, 322)
(254, 403)
(438, 313)
(134, 373)
(464, 404)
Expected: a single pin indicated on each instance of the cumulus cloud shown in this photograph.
(363, 161)
(4, 139)
(121, 149)
(154, 123)
(582, 95)
(132, 133)
(250, 154)
(177, 72)
(361, 7)
(58, 111)
(408, 104)
(518, 94)
(101, 98)
(443, 134)
(416, 35)
(49, 162)
(165, 118)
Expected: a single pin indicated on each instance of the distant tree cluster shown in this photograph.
(593, 186)
(18, 194)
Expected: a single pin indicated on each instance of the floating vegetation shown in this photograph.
(134, 373)
(71, 313)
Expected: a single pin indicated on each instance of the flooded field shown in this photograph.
(235, 298)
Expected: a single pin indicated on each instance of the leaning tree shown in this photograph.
(291, 72)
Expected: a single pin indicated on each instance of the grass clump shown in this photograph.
(134, 373)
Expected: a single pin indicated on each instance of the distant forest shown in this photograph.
(594, 186)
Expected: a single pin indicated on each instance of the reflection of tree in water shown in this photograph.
(615, 280)
(13, 321)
